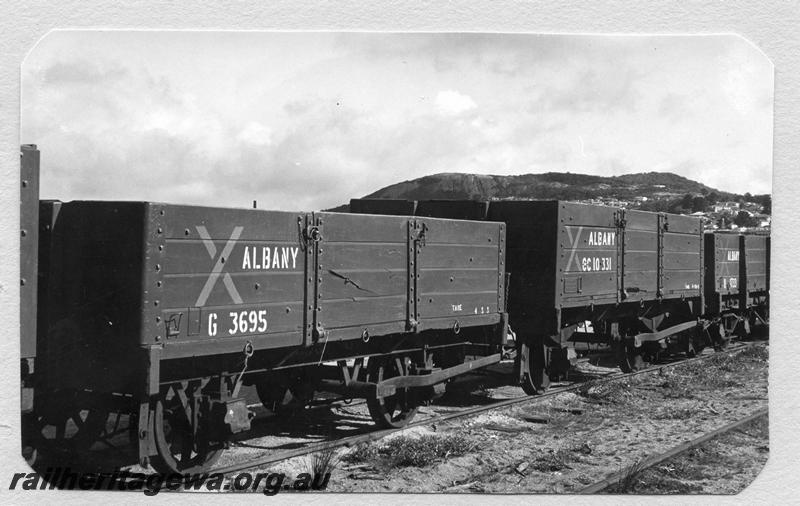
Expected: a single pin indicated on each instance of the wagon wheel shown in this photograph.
(272, 394)
(746, 325)
(752, 318)
(285, 393)
(697, 342)
(629, 357)
(719, 336)
(531, 356)
(396, 410)
(180, 449)
(62, 425)
(691, 351)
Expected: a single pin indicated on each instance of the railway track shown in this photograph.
(366, 437)
(653, 460)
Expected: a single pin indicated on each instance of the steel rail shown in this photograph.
(379, 434)
(661, 457)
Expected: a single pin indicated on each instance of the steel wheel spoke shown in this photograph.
(179, 448)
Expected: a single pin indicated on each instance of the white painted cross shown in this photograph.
(573, 248)
(219, 264)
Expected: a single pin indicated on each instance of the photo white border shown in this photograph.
(771, 26)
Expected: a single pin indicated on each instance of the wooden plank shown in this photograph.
(439, 256)
(361, 311)
(435, 305)
(181, 222)
(400, 207)
(348, 283)
(237, 321)
(191, 256)
(358, 228)
(182, 290)
(640, 221)
(363, 256)
(456, 209)
(441, 231)
(457, 280)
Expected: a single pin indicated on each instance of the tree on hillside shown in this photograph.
(655, 205)
(765, 201)
(743, 219)
(699, 204)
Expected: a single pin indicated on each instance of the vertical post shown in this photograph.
(319, 330)
(702, 309)
(768, 246)
(151, 363)
(620, 223)
(502, 281)
(304, 224)
(743, 288)
(28, 267)
(662, 228)
(412, 297)
(29, 248)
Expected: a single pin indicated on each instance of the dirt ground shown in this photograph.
(725, 465)
(563, 443)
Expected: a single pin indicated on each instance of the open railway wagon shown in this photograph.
(636, 276)
(754, 272)
(736, 281)
(164, 311)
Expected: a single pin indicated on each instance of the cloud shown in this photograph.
(674, 106)
(453, 103)
(255, 133)
(596, 90)
(297, 107)
(171, 125)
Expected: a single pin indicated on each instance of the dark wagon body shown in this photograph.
(722, 271)
(755, 266)
(737, 279)
(195, 281)
(631, 273)
(567, 259)
(149, 305)
(755, 277)
(739, 269)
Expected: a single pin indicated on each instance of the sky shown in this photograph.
(308, 120)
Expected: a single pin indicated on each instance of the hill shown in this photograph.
(649, 191)
(550, 185)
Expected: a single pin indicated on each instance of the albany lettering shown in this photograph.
(601, 238)
(265, 257)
